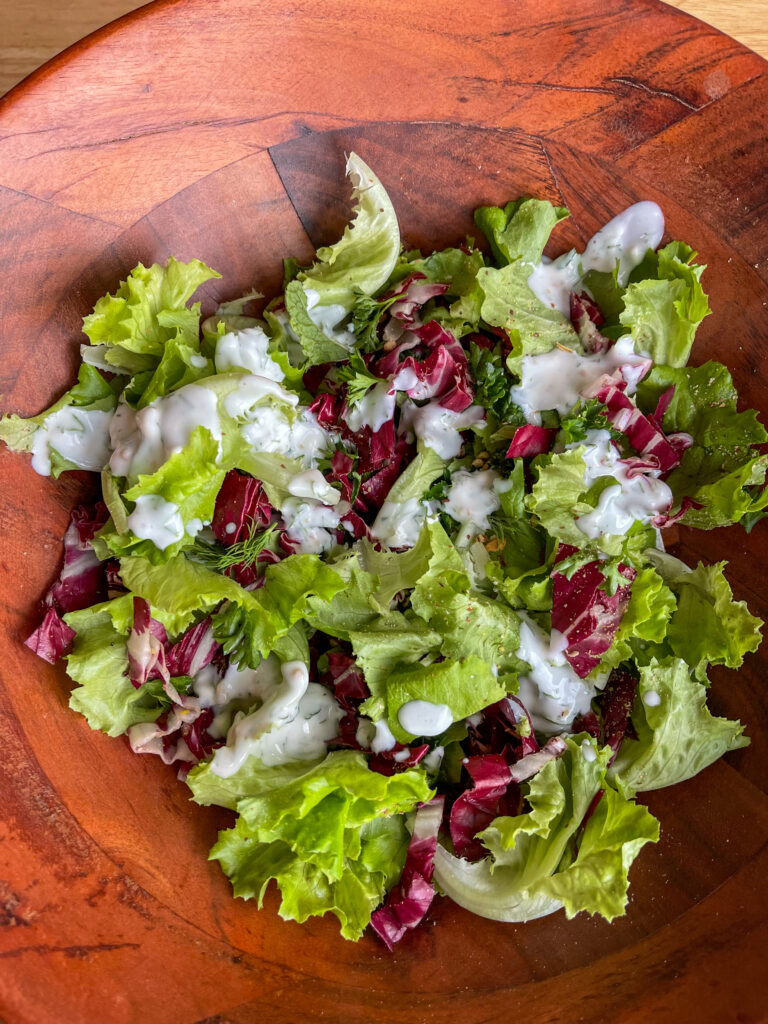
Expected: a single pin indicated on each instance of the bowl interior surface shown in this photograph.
(103, 164)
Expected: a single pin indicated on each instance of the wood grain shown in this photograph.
(36, 30)
(229, 147)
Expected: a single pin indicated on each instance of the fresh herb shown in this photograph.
(357, 377)
(244, 552)
(366, 314)
(493, 384)
(589, 416)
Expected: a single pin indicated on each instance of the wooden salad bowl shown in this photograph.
(218, 130)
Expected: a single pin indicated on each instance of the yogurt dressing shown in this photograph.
(471, 499)
(399, 523)
(558, 379)
(423, 718)
(437, 427)
(157, 520)
(328, 318)
(622, 242)
(312, 524)
(144, 440)
(630, 500)
(295, 722)
(79, 435)
(551, 691)
(374, 409)
(247, 350)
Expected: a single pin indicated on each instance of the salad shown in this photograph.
(383, 569)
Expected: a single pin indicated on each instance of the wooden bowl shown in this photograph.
(218, 130)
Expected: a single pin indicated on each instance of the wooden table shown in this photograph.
(35, 30)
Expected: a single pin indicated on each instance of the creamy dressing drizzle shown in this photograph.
(374, 409)
(437, 427)
(144, 440)
(328, 318)
(471, 499)
(399, 523)
(295, 722)
(622, 242)
(630, 500)
(157, 520)
(79, 435)
(312, 524)
(247, 350)
(551, 691)
(423, 718)
(557, 379)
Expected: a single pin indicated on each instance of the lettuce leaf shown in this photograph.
(464, 686)
(334, 839)
(189, 479)
(92, 392)
(365, 256)
(708, 627)
(598, 879)
(663, 310)
(251, 623)
(129, 322)
(519, 230)
(718, 471)
(532, 869)
(677, 737)
(98, 663)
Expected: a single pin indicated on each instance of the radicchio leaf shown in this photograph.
(82, 581)
(476, 808)
(241, 505)
(586, 615)
(409, 900)
(531, 440)
(51, 638)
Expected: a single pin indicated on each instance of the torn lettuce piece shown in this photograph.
(707, 627)
(130, 323)
(519, 230)
(664, 308)
(461, 687)
(533, 870)
(677, 736)
(334, 840)
(73, 433)
(365, 256)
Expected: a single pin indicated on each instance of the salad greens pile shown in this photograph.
(383, 569)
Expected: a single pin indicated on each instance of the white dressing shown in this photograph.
(439, 428)
(551, 691)
(632, 499)
(79, 435)
(328, 318)
(625, 240)
(251, 390)
(399, 523)
(157, 520)
(651, 699)
(423, 718)
(471, 499)
(622, 243)
(268, 429)
(311, 524)
(294, 723)
(312, 484)
(374, 409)
(144, 440)
(247, 350)
(383, 739)
(558, 379)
